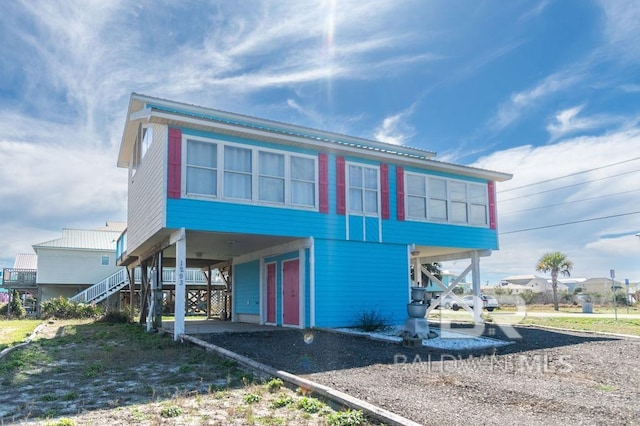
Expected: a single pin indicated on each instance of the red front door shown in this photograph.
(291, 292)
(271, 292)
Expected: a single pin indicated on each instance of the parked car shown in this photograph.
(488, 302)
(446, 302)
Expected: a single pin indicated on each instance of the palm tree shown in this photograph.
(556, 263)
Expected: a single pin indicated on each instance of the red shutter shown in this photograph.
(400, 192)
(384, 189)
(323, 176)
(491, 187)
(341, 199)
(174, 170)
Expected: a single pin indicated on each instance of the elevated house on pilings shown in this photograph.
(310, 228)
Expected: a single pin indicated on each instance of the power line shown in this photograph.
(569, 175)
(569, 223)
(570, 202)
(569, 186)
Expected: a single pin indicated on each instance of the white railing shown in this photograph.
(104, 288)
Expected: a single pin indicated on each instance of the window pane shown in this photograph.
(458, 212)
(202, 154)
(438, 209)
(458, 191)
(371, 202)
(271, 189)
(477, 194)
(355, 200)
(416, 185)
(438, 188)
(201, 181)
(303, 193)
(478, 214)
(370, 178)
(355, 177)
(237, 185)
(237, 159)
(271, 164)
(303, 169)
(417, 207)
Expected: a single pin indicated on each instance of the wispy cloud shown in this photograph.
(621, 28)
(568, 122)
(395, 128)
(511, 110)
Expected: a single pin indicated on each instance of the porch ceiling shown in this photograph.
(209, 248)
(430, 254)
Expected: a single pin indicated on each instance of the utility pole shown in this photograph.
(613, 290)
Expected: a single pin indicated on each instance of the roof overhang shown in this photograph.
(143, 109)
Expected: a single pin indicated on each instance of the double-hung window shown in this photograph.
(202, 168)
(363, 190)
(271, 177)
(237, 173)
(303, 181)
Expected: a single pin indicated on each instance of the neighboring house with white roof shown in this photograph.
(534, 283)
(76, 260)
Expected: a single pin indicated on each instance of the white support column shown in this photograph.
(475, 271)
(179, 239)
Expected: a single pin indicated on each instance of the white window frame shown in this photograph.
(255, 175)
(449, 201)
(378, 191)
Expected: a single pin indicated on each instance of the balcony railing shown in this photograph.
(18, 277)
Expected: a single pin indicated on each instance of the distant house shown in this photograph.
(312, 227)
(22, 278)
(520, 283)
(601, 286)
(76, 260)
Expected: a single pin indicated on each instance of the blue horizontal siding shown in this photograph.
(216, 216)
(353, 278)
(246, 279)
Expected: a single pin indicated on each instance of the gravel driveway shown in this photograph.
(545, 377)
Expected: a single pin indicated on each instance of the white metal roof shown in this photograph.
(149, 109)
(26, 261)
(96, 239)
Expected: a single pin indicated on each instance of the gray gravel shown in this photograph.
(545, 377)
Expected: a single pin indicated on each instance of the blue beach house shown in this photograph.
(309, 228)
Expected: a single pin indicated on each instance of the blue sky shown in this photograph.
(540, 89)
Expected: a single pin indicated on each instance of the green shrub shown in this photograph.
(282, 401)
(250, 398)
(170, 411)
(17, 310)
(4, 308)
(309, 405)
(274, 384)
(371, 321)
(63, 308)
(346, 418)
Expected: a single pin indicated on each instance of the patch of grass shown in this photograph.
(274, 385)
(606, 388)
(13, 332)
(48, 397)
(608, 325)
(62, 422)
(70, 396)
(282, 401)
(252, 398)
(94, 369)
(346, 418)
(309, 405)
(169, 411)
